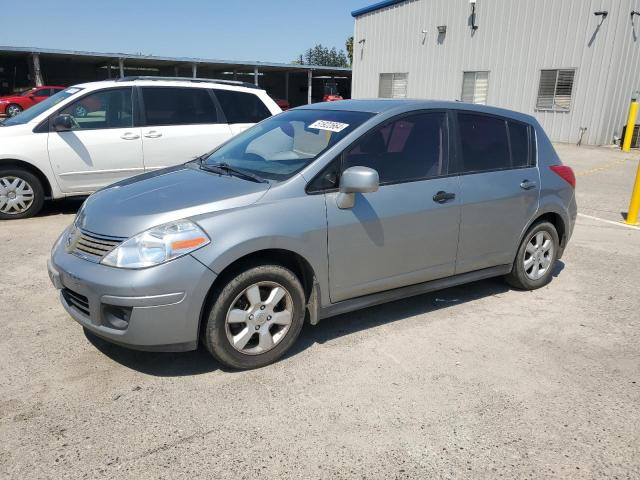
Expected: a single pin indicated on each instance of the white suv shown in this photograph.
(91, 135)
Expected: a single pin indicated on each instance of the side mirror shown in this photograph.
(63, 123)
(356, 180)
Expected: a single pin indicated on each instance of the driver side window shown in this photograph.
(410, 148)
(102, 110)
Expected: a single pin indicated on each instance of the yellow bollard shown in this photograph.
(631, 123)
(634, 204)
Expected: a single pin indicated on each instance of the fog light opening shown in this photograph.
(116, 317)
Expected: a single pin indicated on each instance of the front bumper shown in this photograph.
(157, 308)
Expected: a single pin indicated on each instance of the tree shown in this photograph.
(323, 56)
(349, 46)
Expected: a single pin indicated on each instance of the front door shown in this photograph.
(500, 189)
(407, 231)
(103, 147)
(180, 123)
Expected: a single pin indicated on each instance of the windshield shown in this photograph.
(31, 113)
(281, 146)
(27, 92)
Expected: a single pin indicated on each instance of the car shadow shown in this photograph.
(199, 362)
(158, 364)
(65, 206)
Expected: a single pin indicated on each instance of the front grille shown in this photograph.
(93, 246)
(77, 301)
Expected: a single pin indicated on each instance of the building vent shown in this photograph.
(635, 137)
(555, 90)
(393, 85)
(475, 87)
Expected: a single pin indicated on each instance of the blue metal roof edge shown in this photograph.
(374, 7)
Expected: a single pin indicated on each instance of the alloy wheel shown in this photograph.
(16, 195)
(13, 110)
(538, 255)
(259, 318)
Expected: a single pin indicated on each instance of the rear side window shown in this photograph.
(241, 107)
(410, 148)
(484, 142)
(178, 106)
(519, 142)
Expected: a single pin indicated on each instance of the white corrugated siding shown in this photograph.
(515, 40)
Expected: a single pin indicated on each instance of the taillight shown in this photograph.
(566, 173)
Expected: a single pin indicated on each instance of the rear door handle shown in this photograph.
(527, 185)
(129, 136)
(153, 134)
(443, 197)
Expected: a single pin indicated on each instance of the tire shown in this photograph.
(13, 109)
(536, 258)
(15, 184)
(250, 325)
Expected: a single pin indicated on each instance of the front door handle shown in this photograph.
(153, 134)
(129, 136)
(527, 185)
(443, 197)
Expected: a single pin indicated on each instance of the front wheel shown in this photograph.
(21, 194)
(533, 266)
(255, 317)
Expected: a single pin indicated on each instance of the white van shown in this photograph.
(94, 134)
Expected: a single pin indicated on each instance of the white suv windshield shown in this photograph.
(283, 145)
(31, 113)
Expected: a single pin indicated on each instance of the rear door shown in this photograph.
(103, 147)
(179, 124)
(242, 109)
(407, 231)
(499, 185)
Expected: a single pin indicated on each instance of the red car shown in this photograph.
(11, 105)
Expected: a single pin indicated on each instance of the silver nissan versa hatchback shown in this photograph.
(318, 211)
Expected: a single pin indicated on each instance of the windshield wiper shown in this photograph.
(226, 168)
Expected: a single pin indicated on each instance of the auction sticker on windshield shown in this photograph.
(328, 125)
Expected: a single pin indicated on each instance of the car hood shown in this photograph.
(11, 98)
(136, 204)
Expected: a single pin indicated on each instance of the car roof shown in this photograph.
(166, 82)
(392, 105)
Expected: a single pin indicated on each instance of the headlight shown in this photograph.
(157, 245)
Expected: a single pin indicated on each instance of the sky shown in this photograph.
(268, 30)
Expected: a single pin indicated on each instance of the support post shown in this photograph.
(309, 85)
(235, 75)
(121, 66)
(176, 71)
(194, 70)
(631, 123)
(286, 86)
(37, 73)
(109, 71)
(634, 203)
(255, 76)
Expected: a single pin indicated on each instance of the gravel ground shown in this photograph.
(477, 381)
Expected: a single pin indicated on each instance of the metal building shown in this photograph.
(25, 67)
(574, 64)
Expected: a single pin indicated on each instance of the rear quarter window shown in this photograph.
(242, 107)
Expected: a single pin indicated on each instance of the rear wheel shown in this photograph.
(255, 317)
(13, 109)
(21, 194)
(533, 266)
